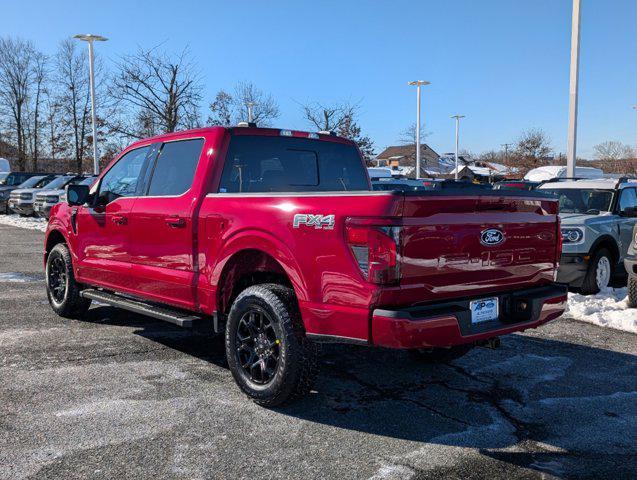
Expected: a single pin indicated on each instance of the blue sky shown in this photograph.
(503, 63)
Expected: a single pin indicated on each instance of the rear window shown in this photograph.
(284, 164)
(175, 167)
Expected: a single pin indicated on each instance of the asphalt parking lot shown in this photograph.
(121, 395)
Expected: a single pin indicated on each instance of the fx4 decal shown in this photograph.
(325, 222)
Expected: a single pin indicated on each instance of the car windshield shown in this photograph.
(575, 200)
(58, 183)
(31, 182)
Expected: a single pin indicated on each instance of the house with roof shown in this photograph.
(402, 160)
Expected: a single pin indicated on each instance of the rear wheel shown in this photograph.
(632, 292)
(441, 355)
(62, 290)
(268, 354)
(599, 273)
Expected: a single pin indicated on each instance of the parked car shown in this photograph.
(46, 198)
(598, 217)
(20, 180)
(275, 238)
(516, 184)
(630, 263)
(403, 184)
(21, 200)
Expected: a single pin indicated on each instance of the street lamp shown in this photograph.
(418, 84)
(90, 38)
(571, 145)
(457, 117)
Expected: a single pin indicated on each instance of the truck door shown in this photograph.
(627, 199)
(101, 231)
(162, 229)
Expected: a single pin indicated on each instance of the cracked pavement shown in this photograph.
(121, 395)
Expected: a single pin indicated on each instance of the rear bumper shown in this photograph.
(449, 323)
(573, 267)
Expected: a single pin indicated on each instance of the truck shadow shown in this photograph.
(548, 405)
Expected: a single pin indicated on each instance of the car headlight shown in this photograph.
(572, 235)
(635, 239)
(4, 195)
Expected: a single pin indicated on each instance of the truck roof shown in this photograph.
(249, 130)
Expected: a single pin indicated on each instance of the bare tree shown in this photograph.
(39, 78)
(230, 109)
(341, 118)
(158, 87)
(408, 135)
(55, 135)
(613, 150)
(264, 107)
(532, 150)
(221, 109)
(329, 118)
(16, 70)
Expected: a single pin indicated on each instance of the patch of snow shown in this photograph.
(608, 308)
(16, 277)
(32, 223)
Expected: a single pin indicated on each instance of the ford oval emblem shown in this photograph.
(491, 237)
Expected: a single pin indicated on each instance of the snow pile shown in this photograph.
(31, 223)
(608, 309)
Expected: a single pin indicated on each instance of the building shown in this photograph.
(403, 159)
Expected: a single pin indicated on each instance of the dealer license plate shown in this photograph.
(484, 310)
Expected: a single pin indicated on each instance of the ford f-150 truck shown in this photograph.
(276, 238)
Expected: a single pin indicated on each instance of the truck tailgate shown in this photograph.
(463, 245)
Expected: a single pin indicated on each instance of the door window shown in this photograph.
(122, 178)
(175, 167)
(628, 199)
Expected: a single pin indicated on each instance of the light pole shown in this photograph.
(506, 150)
(90, 38)
(571, 146)
(457, 117)
(418, 84)
(250, 107)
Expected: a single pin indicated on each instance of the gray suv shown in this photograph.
(598, 217)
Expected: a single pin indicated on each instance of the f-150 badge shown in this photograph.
(325, 222)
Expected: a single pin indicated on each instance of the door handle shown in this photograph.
(119, 220)
(176, 222)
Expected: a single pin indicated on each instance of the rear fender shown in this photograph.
(269, 244)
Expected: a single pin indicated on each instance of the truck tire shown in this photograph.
(599, 273)
(632, 292)
(268, 353)
(441, 355)
(62, 290)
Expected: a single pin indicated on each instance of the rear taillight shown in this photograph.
(560, 243)
(375, 249)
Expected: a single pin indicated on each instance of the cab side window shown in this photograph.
(628, 198)
(122, 178)
(175, 167)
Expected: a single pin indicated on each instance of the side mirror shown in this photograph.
(629, 212)
(77, 194)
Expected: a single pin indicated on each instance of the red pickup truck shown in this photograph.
(276, 237)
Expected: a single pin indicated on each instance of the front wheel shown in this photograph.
(62, 290)
(599, 273)
(268, 353)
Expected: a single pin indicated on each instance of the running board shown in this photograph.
(177, 317)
